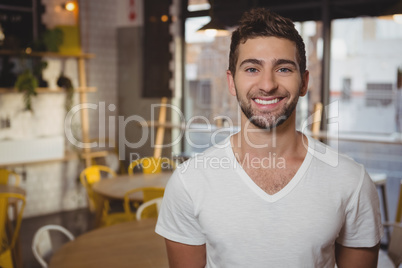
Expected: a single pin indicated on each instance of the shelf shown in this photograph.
(69, 155)
(41, 90)
(165, 125)
(95, 154)
(45, 54)
(82, 89)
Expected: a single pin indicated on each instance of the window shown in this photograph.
(366, 55)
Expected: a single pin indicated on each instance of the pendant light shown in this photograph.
(214, 27)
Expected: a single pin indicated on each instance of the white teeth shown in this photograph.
(265, 102)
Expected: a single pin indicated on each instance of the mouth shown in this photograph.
(267, 101)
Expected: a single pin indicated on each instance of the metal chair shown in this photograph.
(148, 194)
(42, 246)
(88, 177)
(380, 181)
(5, 177)
(91, 175)
(8, 233)
(147, 205)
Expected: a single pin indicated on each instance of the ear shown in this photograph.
(231, 83)
(304, 87)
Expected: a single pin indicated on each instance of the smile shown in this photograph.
(267, 102)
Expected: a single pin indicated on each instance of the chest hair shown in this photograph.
(271, 180)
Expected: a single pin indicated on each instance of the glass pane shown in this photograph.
(206, 94)
(366, 55)
(311, 32)
(366, 59)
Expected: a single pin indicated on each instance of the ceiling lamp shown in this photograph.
(70, 6)
(214, 27)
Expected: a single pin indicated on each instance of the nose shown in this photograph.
(268, 81)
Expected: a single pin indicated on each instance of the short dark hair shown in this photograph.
(261, 22)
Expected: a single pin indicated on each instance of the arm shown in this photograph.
(186, 256)
(356, 257)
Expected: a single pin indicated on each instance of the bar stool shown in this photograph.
(380, 181)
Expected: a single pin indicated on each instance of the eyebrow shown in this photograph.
(252, 61)
(275, 62)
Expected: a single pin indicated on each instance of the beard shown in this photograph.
(265, 119)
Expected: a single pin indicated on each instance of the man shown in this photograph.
(270, 196)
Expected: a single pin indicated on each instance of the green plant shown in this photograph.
(27, 83)
(53, 39)
(37, 72)
(50, 40)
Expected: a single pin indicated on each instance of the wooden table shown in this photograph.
(116, 188)
(13, 202)
(131, 244)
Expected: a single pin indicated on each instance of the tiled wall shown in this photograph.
(52, 186)
(98, 31)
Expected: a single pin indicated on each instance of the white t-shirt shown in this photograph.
(211, 200)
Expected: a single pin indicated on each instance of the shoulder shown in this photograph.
(338, 171)
(331, 159)
(342, 175)
(212, 157)
(210, 166)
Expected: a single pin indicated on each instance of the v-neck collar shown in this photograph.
(285, 190)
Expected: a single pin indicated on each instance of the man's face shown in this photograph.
(267, 81)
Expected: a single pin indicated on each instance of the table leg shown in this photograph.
(99, 207)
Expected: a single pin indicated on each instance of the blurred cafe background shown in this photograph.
(101, 97)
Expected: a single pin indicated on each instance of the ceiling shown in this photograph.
(229, 11)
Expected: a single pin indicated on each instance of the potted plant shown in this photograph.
(27, 83)
(65, 82)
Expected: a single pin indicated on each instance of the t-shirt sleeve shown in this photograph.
(177, 220)
(362, 226)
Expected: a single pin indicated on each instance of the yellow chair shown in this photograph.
(5, 176)
(88, 177)
(148, 193)
(91, 175)
(8, 241)
(398, 217)
(150, 165)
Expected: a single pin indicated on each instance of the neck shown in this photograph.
(283, 141)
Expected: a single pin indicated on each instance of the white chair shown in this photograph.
(42, 244)
(156, 201)
(380, 181)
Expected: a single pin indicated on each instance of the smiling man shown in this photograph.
(276, 198)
